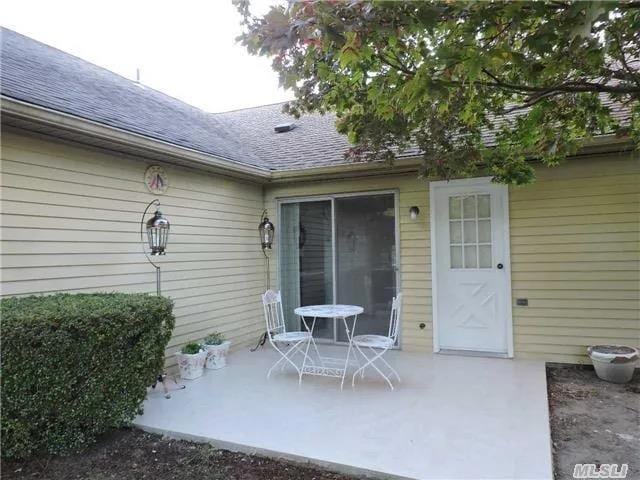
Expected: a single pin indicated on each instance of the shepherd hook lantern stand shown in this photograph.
(157, 236)
(157, 228)
(267, 231)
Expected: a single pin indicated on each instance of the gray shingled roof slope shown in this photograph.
(42, 75)
(314, 142)
(38, 74)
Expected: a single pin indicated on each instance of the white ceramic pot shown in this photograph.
(217, 355)
(191, 365)
(613, 363)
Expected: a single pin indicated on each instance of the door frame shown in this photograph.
(438, 186)
(331, 197)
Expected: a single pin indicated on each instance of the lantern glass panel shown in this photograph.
(157, 233)
(266, 231)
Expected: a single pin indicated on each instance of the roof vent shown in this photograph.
(284, 127)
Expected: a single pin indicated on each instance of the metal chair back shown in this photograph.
(394, 321)
(273, 314)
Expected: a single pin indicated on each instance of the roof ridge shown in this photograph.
(23, 64)
(105, 69)
(250, 108)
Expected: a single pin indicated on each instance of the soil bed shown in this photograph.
(592, 421)
(129, 454)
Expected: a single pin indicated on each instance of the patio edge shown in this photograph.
(250, 450)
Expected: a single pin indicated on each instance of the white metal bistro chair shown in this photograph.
(377, 345)
(278, 335)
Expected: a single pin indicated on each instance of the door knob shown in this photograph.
(500, 266)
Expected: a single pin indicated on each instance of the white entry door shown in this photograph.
(471, 271)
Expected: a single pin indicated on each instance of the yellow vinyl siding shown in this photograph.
(415, 278)
(575, 254)
(70, 222)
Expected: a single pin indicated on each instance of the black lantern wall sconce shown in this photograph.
(157, 229)
(414, 212)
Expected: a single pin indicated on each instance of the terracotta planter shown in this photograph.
(613, 363)
(217, 355)
(191, 365)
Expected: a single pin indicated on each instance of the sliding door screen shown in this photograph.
(339, 250)
(365, 260)
(306, 261)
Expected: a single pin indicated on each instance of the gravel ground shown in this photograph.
(593, 421)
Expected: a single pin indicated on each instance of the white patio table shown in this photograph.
(329, 366)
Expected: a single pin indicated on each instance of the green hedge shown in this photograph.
(75, 366)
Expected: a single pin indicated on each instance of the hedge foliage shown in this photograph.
(75, 366)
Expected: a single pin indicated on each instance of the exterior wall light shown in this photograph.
(157, 228)
(157, 233)
(414, 212)
(267, 232)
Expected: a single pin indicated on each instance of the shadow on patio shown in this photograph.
(451, 417)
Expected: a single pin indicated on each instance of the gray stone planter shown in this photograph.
(613, 363)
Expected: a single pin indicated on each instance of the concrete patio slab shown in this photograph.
(451, 417)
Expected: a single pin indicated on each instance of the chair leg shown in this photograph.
(362, 368)
(315, 347)
(391, 368)
(355, 355)
(379, 355)
(371, 361)
(301, 352)
(304, 360)
(285, 358)
(275, 364)
(387, 364)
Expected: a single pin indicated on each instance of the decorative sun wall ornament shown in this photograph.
(156, 179)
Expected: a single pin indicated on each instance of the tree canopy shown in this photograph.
(472, 85)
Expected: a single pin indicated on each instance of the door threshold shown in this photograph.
(472, 353)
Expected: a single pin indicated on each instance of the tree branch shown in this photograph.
(574, 86)
(531, 102)
(634, 76)
(389, 63)
(629, 5)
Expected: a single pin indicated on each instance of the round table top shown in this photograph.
(329, 311)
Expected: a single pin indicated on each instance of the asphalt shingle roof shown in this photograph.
(42, 75)
(314, 142)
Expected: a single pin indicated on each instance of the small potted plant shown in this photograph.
(191, 359)
(217, 348)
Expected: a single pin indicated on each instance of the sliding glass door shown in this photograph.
(306, 260)
(365, 259)
(340, 249)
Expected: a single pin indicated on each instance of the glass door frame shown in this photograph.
(334, 259)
